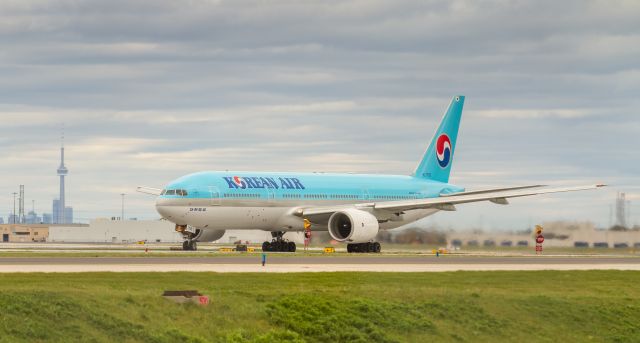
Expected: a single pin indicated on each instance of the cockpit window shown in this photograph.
(163, 191)
(180, 192)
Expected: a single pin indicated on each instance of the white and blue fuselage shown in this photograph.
(265, 201)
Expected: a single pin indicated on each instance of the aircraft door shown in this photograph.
(271, 195)
(365, 194)
(215, 195)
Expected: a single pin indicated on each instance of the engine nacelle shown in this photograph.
(208, 235)
(353, 226)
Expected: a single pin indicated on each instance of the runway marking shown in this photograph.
(299, 268)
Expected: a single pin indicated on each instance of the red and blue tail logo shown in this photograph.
(443, 150)
(437, 160)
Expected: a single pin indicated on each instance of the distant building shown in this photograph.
(56, 212)
(13, 219)
(33, 218)
(61, 214)
(46, 218)
(24, 233)
(116, 231)
(1, 220)
(68, 215)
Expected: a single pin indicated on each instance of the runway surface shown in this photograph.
(252, 263)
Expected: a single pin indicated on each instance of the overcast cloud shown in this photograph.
(151, 90)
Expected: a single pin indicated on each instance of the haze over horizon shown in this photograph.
(150, 91)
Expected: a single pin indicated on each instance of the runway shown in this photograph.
(284, 264)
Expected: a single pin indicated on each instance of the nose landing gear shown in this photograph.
(278, 243)
(189, 243)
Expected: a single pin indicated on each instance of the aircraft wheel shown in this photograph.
(194, 245)
(349, 248)
(185, 245)
(368, 247)
(292, 247)
(377, 247)
(266, 246)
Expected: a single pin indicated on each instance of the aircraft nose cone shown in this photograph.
(163, 210)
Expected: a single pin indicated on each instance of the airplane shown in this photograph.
(353, 208)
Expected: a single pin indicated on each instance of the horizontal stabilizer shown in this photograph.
(149, 190)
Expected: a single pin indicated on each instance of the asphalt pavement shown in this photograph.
(322, 260)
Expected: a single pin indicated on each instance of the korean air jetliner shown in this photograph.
(352, 207)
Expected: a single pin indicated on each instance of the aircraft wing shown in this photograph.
(149, 190)
(448, 201)
(492, 190)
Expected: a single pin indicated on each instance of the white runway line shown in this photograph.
(297, 268)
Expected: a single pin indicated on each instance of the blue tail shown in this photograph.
(437, 160)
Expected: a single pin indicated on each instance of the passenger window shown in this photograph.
(171, 192)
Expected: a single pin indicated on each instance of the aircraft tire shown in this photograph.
(189, 245)
(276, 246)
(266, 246)
(377, 247)
(292, 246)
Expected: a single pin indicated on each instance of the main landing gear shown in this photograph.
(364, 247)
(189, 243)
(278, 243)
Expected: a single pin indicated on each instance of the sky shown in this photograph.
(148, 91)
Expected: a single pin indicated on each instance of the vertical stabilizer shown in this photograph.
(437, 160)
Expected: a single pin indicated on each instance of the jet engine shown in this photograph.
(353, 226)
(208, 235)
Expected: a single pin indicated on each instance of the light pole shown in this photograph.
(122, 213)
(14, 207)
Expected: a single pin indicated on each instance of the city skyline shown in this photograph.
(551, 97)
(60, 213)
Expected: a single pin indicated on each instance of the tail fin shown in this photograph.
(437, 160)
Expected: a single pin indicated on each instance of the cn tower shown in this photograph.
(62, 172)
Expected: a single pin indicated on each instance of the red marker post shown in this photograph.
(539, 240)
(307, 234)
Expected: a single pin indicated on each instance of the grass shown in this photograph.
(547, 306)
